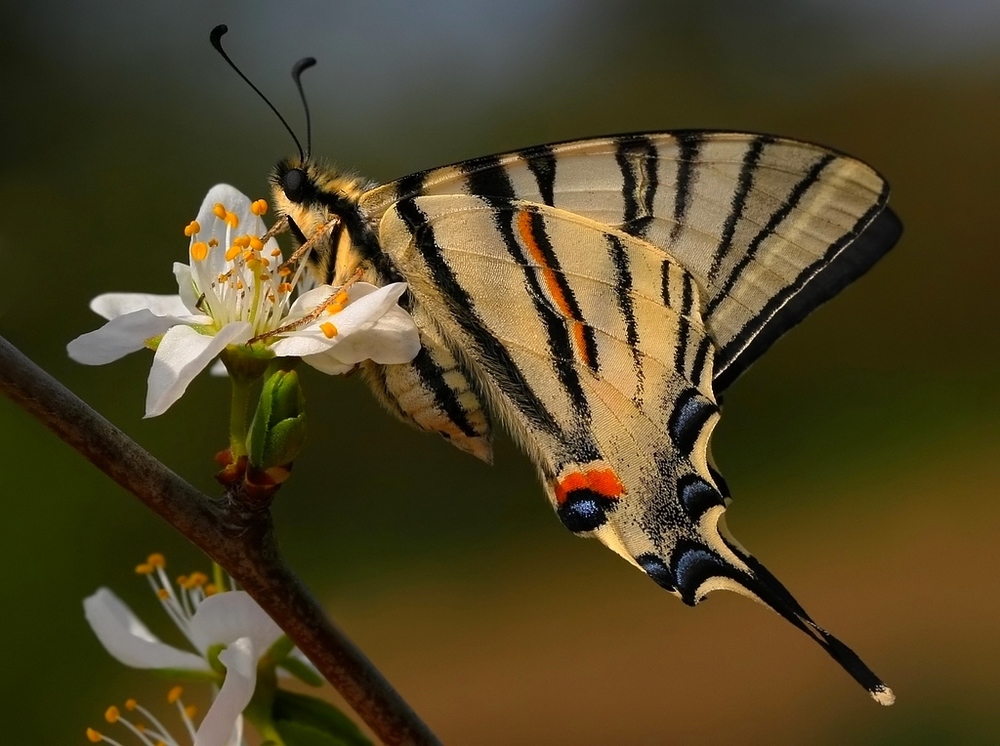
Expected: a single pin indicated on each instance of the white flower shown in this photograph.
(232, 293)
(149, 730)
(230, 621)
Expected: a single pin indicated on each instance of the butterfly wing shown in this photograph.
(600, 293)
(769, 227)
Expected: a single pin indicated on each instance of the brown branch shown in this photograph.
(240, 540)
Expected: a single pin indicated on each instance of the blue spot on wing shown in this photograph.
(585, 510)
(697, 495)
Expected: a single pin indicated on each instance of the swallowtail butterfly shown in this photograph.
(596, 297)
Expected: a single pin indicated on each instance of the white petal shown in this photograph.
(180, 356)
(186, 288)
(206, 271)
(225, 617)
(302, 344)
(128, 639)
(240, 660)
(367, 306)
(218, 370)
(328, 364)
(118, 337)
(112, 305)
(392, 339)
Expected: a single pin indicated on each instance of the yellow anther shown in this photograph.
(111, 714)
(219, 211)
(285, 287)
(276, 252)
(144, 569)
(211, 589)
(341, 298)
(93, 736)
(242, 241)
(213, 242)
(199, 251)
(131, 704)
(334, 308)
(175, 694)
(329, 330)
(264, 276)
(163, 594)
(232, 252)
(284, 271)
(182, 580)
(240, 285)
(157, 560)
(259, 207)
(191, 711)
(198, 579)
(247, 255)
(265, 261)
(232, 221)
(141, 727)
(191, 228)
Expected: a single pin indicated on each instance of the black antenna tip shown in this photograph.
(301, 66)
(216, 36)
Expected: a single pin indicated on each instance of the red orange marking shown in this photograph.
(602, 481)
(552, 284)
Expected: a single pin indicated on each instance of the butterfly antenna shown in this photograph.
(300, 67)
(216, 38)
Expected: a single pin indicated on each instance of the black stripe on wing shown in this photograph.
(744, 183)
(432, 376)
(846, 260)
(542, 164)
(638, 160)
(489, 349)
(689, 144)
(623, 292)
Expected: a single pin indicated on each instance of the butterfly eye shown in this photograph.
(294, 184)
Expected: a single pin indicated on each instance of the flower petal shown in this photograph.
(367, 306)
(188, 293)
(240, 660)
(129, 641)
(119, 337)
(112, 305)
(180, 356)
(225, 617)
(392, 339)
(329, 364)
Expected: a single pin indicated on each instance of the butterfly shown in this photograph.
(595, 298)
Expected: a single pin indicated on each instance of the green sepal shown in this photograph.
(188, 675)
(307, 721)
(278, 430)
(301, 670)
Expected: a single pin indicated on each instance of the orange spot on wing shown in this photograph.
(602, 481)
(581, 343)
(552, 283)
(605, 482)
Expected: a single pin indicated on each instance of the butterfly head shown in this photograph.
(317, 198)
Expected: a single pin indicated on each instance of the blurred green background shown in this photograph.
(863, 450)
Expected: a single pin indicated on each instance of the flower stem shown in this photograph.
(239, 416)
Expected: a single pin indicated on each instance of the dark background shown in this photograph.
(862, 450)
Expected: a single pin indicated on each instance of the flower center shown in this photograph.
(145, 726)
